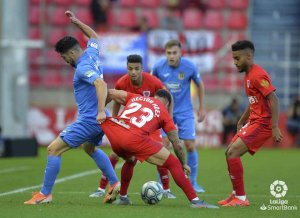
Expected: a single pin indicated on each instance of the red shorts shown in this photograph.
(156, 136)
(254, 135)
(127, 143)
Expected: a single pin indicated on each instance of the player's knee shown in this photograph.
(232, 152)
(52, 151)
(88, 149)
(114, 156)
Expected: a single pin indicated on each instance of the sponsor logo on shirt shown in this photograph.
(264, 83)
(166, 74)
(174, 87)
(94, 45)
(252, 99)
(146, 93)
(181, 76)
(90, 73)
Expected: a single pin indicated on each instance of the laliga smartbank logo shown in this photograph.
(278, 189)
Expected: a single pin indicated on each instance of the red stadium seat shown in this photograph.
(237, 20)
(55, 34)
(84, 15)
(238, 4)
(215, 4)
(61, 2)
(35, 78)
(192, 19)
(214, 19)
(218, 42)
(152, 17)
(82, 2)
(34, 32)
(57, 16)
(54, 59)
(35, 56)
(35, 14)
(128, 3)
(53, 79)
(126, 18)
(150, 4)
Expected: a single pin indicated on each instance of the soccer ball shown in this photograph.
(152, 192)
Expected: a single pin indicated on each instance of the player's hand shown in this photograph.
(186, 169)
(201, 115)
(101, 117)
(276, 134)
(71, 15)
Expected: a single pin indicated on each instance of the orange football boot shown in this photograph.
(39, 198)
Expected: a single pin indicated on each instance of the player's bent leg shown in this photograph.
(192, 161)
(170, 162)
(236, 172)
(103, 179)
(55, 149)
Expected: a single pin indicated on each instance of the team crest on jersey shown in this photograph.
(181, 76)
(89, 73)
(146, 93)
(264, 83)
(248, 83)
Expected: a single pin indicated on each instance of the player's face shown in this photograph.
(173, 55)
(135, 72)
(241, 60)
(68, 57)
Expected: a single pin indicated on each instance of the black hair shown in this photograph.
(134, 58)
(65, 44)
(163, 94)
(243, 44)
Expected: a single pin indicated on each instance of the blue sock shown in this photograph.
(51, 171)
(104, 165)
(192, 161)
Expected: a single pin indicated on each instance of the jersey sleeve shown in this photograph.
(119, 84)
(262, 82)
(196, 75)
(93, 46)
(88, 74)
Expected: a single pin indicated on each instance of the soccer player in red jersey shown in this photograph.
(129, 133)
(258, 123)
(138, 82)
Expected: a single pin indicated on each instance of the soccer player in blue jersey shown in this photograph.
(90, 94)
(176, 73)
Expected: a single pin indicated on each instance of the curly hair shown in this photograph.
(65, 44)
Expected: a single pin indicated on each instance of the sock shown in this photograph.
(175, 168)
(164, 177)
(51, 171)
(192, 161)
(236, 173)
(126, 175)
(104, 165)
(103, 180)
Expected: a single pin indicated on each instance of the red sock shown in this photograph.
(126, 175)
(236, 173)
(175, 168)
(164, 177)
(103, 180)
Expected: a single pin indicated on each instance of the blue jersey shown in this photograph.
(87, 71)
(178, 81)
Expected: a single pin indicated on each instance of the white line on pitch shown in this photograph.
(9, 170)
(64, 179)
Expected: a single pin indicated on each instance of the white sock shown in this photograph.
(123, 196)
(101, 189)
(195, 199)
(233, 192)
(243, 197)
(167, 190)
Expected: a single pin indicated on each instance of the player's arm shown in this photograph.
(274, 104)
(118, 96)
(201, 110)
(243, 118)
(115, 108)
(88, 31)
(101, 92)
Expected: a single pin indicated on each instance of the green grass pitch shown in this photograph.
(78, 177)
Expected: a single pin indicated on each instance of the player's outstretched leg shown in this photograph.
(103, 179)
(175, 168)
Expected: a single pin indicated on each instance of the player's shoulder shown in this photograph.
(162, 62)
(121, 82)
(187, 63)
(149, 77)
(259, 71)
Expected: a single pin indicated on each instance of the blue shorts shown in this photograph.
(80, 132)
(186, 126)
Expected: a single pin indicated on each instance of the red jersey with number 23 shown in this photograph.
(143, 115)
(258, 86)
